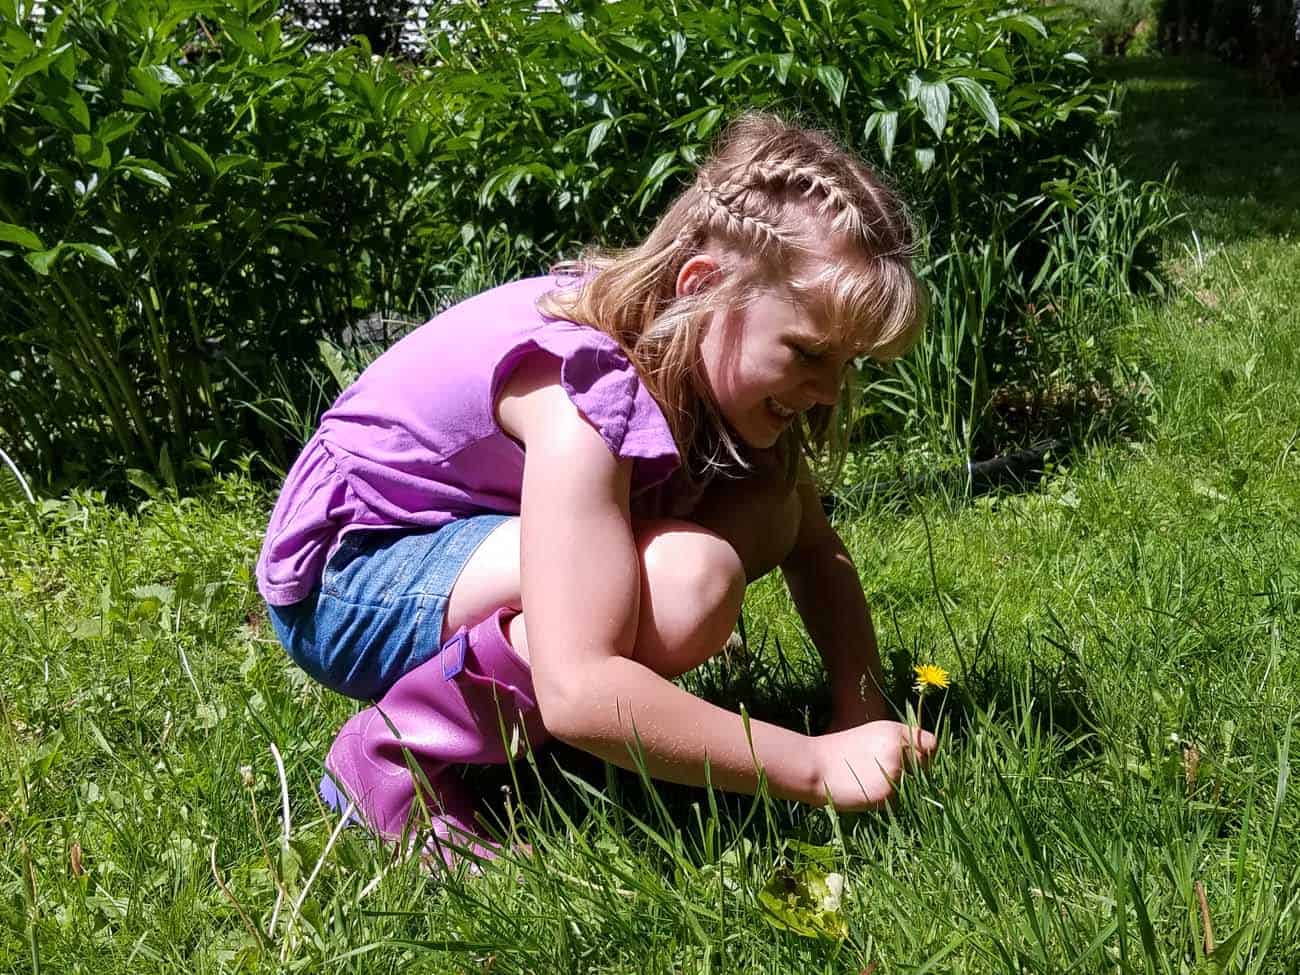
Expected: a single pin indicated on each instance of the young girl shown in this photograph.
(533, 512)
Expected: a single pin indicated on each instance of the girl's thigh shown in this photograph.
(381, 606)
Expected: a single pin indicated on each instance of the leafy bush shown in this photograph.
(579, 126)
(190, 198)
(187, 197)
(982, 113)
(1000, 319)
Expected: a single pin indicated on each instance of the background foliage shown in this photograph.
(1261, 34)
(1122, 27)
(192, 197)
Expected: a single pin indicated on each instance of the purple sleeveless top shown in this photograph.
(414, 442)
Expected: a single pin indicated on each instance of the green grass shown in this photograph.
(1124, 639)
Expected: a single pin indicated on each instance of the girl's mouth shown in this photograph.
(780, 411)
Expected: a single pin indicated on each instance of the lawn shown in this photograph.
(1113, 791)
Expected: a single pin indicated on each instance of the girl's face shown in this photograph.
(768, 362)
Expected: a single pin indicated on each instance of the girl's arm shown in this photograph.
(827, 592)
(581, 587)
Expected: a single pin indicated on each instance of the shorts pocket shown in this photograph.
(350, 547)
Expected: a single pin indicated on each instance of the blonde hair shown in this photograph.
(774, 202)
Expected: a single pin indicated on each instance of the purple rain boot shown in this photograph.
(448, 711)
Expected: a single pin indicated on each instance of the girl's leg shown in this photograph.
(692, 584)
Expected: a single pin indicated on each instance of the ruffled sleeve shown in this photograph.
(606, 389)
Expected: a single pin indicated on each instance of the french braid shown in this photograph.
(722, 216)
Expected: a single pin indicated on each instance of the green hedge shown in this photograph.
(190, 198)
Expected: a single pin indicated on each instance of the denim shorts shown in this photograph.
(379, 610)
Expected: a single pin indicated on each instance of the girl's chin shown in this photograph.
(762, 428)
(767, 430)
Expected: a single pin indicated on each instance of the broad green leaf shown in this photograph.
(417, 138)
(13, 234)
(164, 74)
(248, 42)
(888, 131)
(296, 229)
(996, 58)
(147, 170)
(35, 64)
(805, 901)
(1026, 25)
(54, 28)
(95, 252)
(659, 171)
(42, 262)
(343, 374)
(924, 159)
(733, 68)
(708, 121)
(163, 594)
(92, 151)
(147, 87)
(18, 43)
(196, 156)
(597, 135)
(236, 161)
(626, 52)
(115, 126)
(145, 482)
(979, 98)
(879, 20)
(1074, 57)
(833, 80)
(934, 97)
(783, 63)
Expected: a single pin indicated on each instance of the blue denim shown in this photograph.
(379, 609)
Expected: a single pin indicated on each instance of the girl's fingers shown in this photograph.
(923, 744)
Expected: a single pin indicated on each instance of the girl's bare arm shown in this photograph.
(580, 587)
(827, 592)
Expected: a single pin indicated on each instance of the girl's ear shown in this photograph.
(696, 275)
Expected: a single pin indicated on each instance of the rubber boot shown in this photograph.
(451, 710)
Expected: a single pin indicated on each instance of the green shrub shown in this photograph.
(190, 199)
(187, 197)
(575, 127)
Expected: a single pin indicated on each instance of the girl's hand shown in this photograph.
(860, 767)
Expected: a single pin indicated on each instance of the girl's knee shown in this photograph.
(697, 567)
(692, 587)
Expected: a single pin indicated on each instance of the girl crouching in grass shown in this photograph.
(536, 510)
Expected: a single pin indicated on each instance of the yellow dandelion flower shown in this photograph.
(929, 677)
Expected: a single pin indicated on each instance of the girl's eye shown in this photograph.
(806, 355)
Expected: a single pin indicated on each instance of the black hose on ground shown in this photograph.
(1018, 470)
